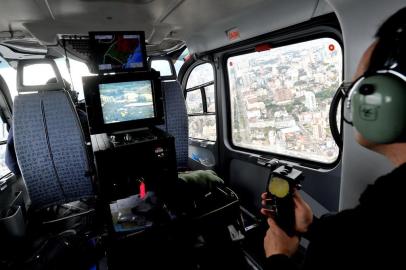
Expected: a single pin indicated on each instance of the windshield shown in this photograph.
(78, 69)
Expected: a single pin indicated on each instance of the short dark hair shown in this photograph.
(391, 44)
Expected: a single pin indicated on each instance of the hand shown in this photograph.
(276, 241)
(303, 212)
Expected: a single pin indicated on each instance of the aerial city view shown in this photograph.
(126, 101)
(280, 99)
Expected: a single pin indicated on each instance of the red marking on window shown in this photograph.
(187, 57)
(142, 190)
(331, 47)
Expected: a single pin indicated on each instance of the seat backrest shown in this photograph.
(49, 142)
(176, 119)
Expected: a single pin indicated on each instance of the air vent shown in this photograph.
(166, 46)
(77, 45)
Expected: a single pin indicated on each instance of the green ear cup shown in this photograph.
(378, 106)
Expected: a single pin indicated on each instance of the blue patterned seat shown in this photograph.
(49, 142)
(176, 118)
(176, 121)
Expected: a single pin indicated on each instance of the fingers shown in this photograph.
(265, 198)
(297, 198)
(267, 212)
(266, 202)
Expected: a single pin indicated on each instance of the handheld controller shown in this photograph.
(281, 185)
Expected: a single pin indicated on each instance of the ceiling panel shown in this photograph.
(201, 23)
(80, 17)
(13, 12)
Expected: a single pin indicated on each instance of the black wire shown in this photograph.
(68, 64)
(58, 179)
(340, 95)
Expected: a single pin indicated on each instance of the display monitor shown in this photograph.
(123, 101)
(118, 51)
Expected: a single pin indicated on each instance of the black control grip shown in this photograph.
(282, 183)
(285, 213)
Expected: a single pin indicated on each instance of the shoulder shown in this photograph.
(386, 189)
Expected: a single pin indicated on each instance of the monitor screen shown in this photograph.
(126, 101)
(118, 51)
(121, 102)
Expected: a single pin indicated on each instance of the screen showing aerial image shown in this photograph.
(126, 101)
(118, 51)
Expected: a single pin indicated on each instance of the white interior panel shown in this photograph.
(206, 22)
(82, 16)
(359, 21)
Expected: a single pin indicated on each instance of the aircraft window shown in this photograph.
(280, 99)
(162, 66)
(40, 76)
(203, 127)
(78, 69)
(194, 102)
(211, 103)
(3, 140)
(9, 74)
(32, 74)
(200, 103)
(200, 75)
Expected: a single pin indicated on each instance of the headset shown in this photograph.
(376, 102)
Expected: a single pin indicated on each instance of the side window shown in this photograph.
(200, 103)
(3, 143)
(9, 75)
(163, 66)
(280, 99)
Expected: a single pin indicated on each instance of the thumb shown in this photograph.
(271, 222)
(297, 198)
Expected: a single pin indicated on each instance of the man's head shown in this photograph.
(73, 94)
(388, 52)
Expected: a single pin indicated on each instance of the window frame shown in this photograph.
(281, 39)
(202, 89)
(5, 116)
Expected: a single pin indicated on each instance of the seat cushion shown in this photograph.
(176, 120)
(50, 148)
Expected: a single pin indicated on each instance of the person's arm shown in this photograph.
(278, 246)
(280, 261)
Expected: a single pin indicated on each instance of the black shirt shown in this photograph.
(372, 235)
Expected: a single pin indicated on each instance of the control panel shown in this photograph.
(122, 159)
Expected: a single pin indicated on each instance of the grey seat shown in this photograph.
(176, 119)
(49, 142)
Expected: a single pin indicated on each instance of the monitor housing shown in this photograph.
(119, 51)
(123, 102)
